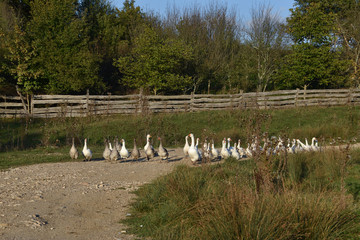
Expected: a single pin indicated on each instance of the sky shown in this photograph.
(242, 7)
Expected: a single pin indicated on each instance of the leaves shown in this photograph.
(156, 63)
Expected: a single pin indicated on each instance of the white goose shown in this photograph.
(124, 153)
(135, 153)
(163, 153)
(234, 152)
(214, 151)
(86, 151)
(186, 147)
(229, 147)
(148, 148)
(193, 151)
(240, 149)
(302, 146)
(314, 144)
(224, 151)
(74, 154)
(248, 151)
(107, 151)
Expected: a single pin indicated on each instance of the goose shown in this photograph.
(197, 146)
(207, 153)
(74, 154)
(303, 146)
(314, 144)
(205, 145)
(240, 149)
(110, 146)
(193, 151)
(124, 153)
(107, 151)
(234, 152)
(163, 153)
(229, 147)
(135, 153)
(291, 147)
(117, 144)
(186, 147)
(148, 148)
(214, 151)
(86, 151)
(224, 151)
(248, 151)
(114, 153)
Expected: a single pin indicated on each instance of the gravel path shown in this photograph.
(74, 200)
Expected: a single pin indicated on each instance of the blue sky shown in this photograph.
(242, 7)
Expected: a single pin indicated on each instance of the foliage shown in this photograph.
(313, 67)
(315, 60)
(69, 46)
(156, 63)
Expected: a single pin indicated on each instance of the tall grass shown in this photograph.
(222, 202)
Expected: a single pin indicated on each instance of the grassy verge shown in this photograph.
(322, 122)
(41, 155)
(312, 198)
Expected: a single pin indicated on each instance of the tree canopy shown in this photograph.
(68, 46)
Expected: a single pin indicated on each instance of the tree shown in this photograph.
(316, 60)
(265, 36)
(60, 42)
(348, 29)
(214, 36)
(16, 53)
(156, 63)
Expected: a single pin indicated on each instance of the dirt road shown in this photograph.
(74, 200)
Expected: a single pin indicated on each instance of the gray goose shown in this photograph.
(74, 154)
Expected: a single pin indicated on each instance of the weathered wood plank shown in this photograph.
(10, 104)
(58, 101)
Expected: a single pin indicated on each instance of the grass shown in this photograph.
(302, 196)
(222, 201)
(322, 122)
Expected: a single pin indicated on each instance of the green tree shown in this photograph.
(16, 52)
(60, 42)
(156, 63)
(316, 59)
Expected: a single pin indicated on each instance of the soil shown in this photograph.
(75, 200)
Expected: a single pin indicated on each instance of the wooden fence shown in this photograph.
(48, 106)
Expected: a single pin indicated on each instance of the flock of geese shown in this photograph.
(208, 152)
(275, 146)
(119, 150)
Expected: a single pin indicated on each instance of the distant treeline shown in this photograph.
(68, 46)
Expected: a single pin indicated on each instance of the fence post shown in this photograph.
(108, 103)
(141, 100)
(32, 104)
(241, 99)
(87, 102)
(305, 95)
(192, 102)
(350, 95)
(297, 97)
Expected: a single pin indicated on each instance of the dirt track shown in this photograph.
(74, 200)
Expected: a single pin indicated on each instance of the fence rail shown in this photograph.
(48, 106)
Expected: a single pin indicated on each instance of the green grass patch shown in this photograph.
(324, 123)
